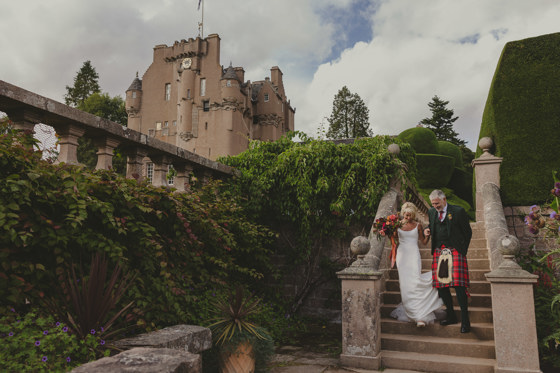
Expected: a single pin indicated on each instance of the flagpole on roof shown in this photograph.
(201, 23)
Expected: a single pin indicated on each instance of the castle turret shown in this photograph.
(133, 103)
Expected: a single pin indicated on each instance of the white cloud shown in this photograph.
(414, 53)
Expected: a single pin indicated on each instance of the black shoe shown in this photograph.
(465, 327)
(449, 321)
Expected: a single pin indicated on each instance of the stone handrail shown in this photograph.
(495, 222)
(26, 109)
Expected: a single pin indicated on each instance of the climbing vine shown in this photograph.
(312, 191)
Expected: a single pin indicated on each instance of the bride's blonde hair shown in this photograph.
(409, 207)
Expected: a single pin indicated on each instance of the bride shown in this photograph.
(419, 298)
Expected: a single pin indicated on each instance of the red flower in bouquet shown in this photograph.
(388, 227)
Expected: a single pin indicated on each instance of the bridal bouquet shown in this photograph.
(388, 227)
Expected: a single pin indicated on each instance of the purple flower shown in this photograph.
(57, 323)
(65, 329)
(12, 309)
(37, 343)
(553, 214)
(533, 229)
(102, 330)
(68, 359)
(557, 185)
(10, 334)
(44, 359)
(102, 342)
(45, 332)
(92, 331)
(556, 192)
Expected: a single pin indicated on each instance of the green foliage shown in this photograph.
(434, 170)
(180, 244)
(34, 343)
(422, 140)
(102, 105)
(86, 82)
(451, 150)
(442, 121)
(313, 191)
(349, 117)
(521, 117)
(461, 183)
(547, 313)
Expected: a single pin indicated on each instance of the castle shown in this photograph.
(186, 98)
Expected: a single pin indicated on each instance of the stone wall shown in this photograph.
(516, 226)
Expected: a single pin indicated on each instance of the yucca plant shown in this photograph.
(232, 327)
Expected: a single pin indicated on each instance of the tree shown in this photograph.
(85, 84)
(442, 121)
(102, 105)
(349, 117)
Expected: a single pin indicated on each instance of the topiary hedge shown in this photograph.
(434, 170)
(452, 150)
(461, 183)
(521, 116)
(422, 140)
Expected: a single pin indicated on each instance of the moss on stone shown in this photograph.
(422, 140)
(522, 116)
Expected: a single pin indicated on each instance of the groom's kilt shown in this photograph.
(460, 275)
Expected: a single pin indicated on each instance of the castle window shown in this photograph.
(167, 91)
(150, 171)
(206, 105)
(188, 93)
(158, 126)
(174, 123)
(206, 125)
(266, 97)
(134, 94)
(151, 132)
(203, 87)
(170, 173)
(228, 83)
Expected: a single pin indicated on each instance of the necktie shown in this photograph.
(441, 216)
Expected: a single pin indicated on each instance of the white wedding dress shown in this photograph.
(419, 298)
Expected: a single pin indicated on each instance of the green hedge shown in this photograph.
(521, 116)
(452, 150)
(461, 183)
(434, 170)
(422, 140)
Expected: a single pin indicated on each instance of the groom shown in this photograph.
(450, 228)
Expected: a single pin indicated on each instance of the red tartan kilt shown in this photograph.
(460, 269)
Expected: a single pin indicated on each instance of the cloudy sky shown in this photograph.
(396, 54)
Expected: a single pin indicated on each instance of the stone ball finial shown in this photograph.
(394, 149)
(360, 245)
(485, 144)
(508, 245)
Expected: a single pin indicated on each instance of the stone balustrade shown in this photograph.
(26, 109)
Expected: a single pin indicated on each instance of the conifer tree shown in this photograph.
(85, 84)
(349, 117)
(441, 122)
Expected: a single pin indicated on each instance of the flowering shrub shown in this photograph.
(546, 265)
(40, 344)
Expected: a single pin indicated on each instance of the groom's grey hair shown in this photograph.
(437, 194)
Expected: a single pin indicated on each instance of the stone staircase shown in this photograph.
(437, 348)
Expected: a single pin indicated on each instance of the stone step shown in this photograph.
(476, 314)
(474, 274)
(446, 346)
(436, 363)
(479, 331)
(478, 233)
(475, 300)
(477, 287)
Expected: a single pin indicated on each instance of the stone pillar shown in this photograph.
(361, 311)
(161, 167)
(513, 311)
(134, 162)
(68, 142)
(487, 170)
(184, 172)
(105, 148)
